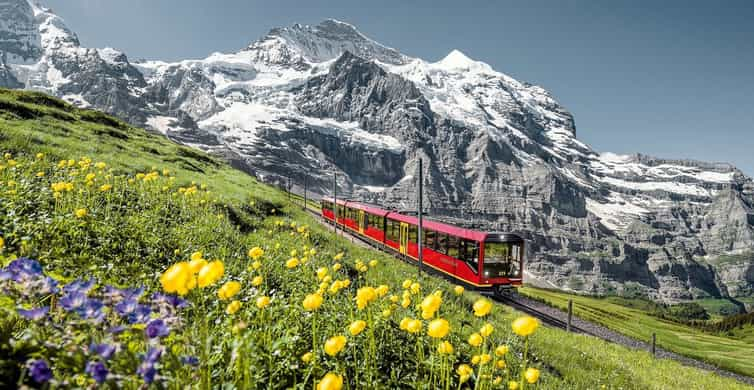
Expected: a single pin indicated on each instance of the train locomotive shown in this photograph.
(482, 260)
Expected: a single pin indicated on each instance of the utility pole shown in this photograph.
(420, 227)
(289, 188)
(335, 200)
(305, 177)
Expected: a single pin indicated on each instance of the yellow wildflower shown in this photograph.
(438, 328)
(263, 302)
(335, 344)
(330, 382)
(524, 326)
(357, 327)
(233, 307)
(482, 307)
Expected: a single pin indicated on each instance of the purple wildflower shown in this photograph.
(146, 369)
(21, 269)
(40, 371)
(190, 360)
(92, 310)
(156, 328)
(117, 329)
(134, 312)
(34, 314)
(97, 370)
(79, 286)
(106, 351)
(115, 295)
(169, 299)
(73, 301)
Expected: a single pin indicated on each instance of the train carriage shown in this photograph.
(480, 259)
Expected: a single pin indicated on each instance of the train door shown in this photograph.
(404, 238)
(361, 221)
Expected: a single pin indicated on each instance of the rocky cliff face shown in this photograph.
(305, 102)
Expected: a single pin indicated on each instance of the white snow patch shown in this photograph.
(617, 213)
(77, 100)
(675, 187)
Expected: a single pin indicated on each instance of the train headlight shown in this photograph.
(486, 273)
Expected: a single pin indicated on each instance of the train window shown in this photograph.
(502, 259)
(452, 246)
(470, 254)
(412, 233)
(442, 243)
(429, 238)
(393, 230)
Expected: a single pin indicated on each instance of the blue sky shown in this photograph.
(667, 78)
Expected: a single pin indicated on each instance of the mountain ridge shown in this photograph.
(313, 100)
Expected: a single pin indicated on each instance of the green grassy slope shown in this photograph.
(730, 353)
(134, 232)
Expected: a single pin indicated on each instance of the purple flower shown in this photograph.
(79, 286)
(106, 351)
(134, 312)
(190, 360)
(156, 328)
(146, 369)
(21, 269)
(92, 310)
(114, 294)
(40, 371)
(117, 329)
(34, 314)
(169, 299)
(73, 301)
(97, 370)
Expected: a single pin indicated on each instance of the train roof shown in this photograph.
(468, 234)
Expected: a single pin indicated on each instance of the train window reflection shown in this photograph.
(502, 259)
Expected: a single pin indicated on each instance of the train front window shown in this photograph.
(502, 260)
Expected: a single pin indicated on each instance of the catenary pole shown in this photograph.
(335, 200)
(419, 214)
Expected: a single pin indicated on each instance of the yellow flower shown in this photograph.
(357, 327)
(373, 263)
(387, 313)
(256, 265)
(100, 165)
(464, 371)
(336, 267)
(513, 385)
(263, 302)
(338, 256)
(382, 290)
(233, 307)
(330, 382)
(406, 302)
(501, 350)
(414, 326)
(431, 304)
(228, 290)
(531, 375)
(407, 284)
(445, 348)
(486, 330)
(415, 288)
(394, 299)
(458, 290)
(197, 255)
(291, 263)
(105, 187)
(176, 278)
(257, 281)
(40, 156)
(500, 364)
(475, 360)
(40, 174)
(482, 307)
(256, 252)
(81, 213)
(498, 380)
(196, 265)
(307, 357)
(210, 273)
(404, 323)
(321, 273)
(485, 357)
(524, 326)
(335, 344)
(368, 294)
(312, 302)
(438, 328)
(475, 340)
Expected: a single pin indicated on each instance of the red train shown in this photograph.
(483, 260)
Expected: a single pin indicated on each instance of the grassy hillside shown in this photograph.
(732, 353)
(92, 198)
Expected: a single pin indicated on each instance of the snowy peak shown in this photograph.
(53, 30)
(19, 38)
(326, 41)
(456, 60)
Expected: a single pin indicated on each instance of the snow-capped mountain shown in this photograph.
(310, 101)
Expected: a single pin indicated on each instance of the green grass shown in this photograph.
(728, 353)
(132, 234)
